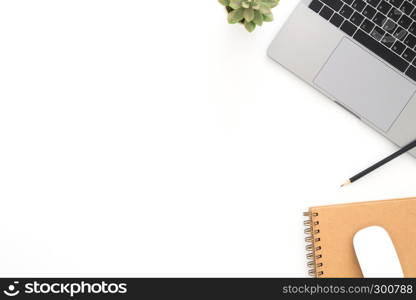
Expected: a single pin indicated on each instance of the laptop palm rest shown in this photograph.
(365, 85)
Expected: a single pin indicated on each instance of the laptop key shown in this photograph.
(411, 72)
(380, 50)
(407, 8)
(398, 47)
(380, 19)
(337, 20)
(346, 11)
(409, 55)
(367, 26)
(389, 26)
(348, 28)
(369, 12)
(410, 41)
(388, 40)
(400, 33)
(384, 7)
(358, 5)
(356, 19)
(316, 5)
(326, 12)
(395, 14)
(377, 33)
(405, 21)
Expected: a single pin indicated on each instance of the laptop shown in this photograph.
(359, 53)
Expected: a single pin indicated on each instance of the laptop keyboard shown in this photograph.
(385, 27)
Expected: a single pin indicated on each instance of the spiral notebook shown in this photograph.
(330, 231)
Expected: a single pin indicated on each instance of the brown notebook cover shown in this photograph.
(330, 231)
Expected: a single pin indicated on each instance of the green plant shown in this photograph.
(251, 13)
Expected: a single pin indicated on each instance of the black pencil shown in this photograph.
(381, 163)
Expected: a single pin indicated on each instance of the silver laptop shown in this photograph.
(359, 53)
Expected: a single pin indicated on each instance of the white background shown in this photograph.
(151, 138)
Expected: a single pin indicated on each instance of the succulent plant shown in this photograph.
(251, 13)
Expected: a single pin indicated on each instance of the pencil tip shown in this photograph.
(346, 183)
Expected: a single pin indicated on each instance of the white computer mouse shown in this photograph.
(376, 253)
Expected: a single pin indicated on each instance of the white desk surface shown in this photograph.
(154, 139)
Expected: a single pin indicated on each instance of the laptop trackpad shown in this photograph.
(365, 84)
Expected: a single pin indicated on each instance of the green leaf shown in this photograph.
(236, 4)
(224, 2)
(265, 10)
(270, 3)
(236, 16)
(250, 26)
(268, 17)
(245, 4)
(275, 3)
(258, 18)
(249, 14)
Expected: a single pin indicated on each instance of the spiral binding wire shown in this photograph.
(313, 247)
